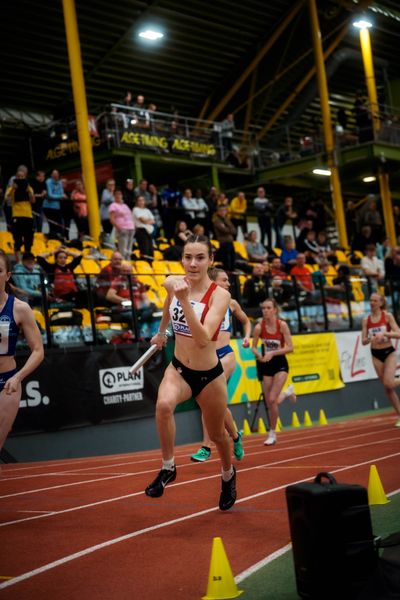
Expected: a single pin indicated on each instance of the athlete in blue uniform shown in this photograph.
(196, 307)
(227, 358)
(14, 315)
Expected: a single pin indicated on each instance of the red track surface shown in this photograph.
(84, 528)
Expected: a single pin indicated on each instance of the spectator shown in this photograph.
(255, 291)
(238, 212)
(144, 226)
(222, 199)
(302, 275)
(225, 233)
(142, 190)
(129, 193)
(282, 292)
(351, 220)
(21, 196)
(255, 250)
(363, 119)
(67, 213)
(40, 190)
(64, 287)
(263, 208)
(362, 239)
(107, 198)
(195, 208)
(125, 110)
(311, 248)
(155, 209)
(307, 225)
(26, 278)
(123, 288)
(141, 114)
(289, 253)
(227, 131)
(284, 214)
(122, 220)
(383, 250)
(107, 274)
(52, 204)
(372, 267)
(333, 292)
(373, 218)
(198, 229)
(277, 269)
(152, 109)
(80, 209)
(8, 199)
(182, 232)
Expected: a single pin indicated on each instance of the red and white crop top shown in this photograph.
(381, 326)
(272, 341)
(178, 319)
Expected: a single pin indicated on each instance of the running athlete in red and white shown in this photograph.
(196, 307)
(277, 342)
(378, 329)
(226, 355)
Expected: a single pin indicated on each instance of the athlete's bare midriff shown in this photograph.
(193, 356)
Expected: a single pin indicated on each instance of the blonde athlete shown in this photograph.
(227, 358)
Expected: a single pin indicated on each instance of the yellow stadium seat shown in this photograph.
(160, 267)
(86, 322)
(90, 266)
(215, 243)
(175, 267)
(147, 280)
(39, 318)
(6, 242)
(158, 255)
(240, 248)
(143, 267)
(342, 258)
(108, 252)
(277, 251)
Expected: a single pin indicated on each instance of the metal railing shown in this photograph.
(86, 318)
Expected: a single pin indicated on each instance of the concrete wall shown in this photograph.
(141, 434)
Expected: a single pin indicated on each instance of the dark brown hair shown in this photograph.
(200, 239)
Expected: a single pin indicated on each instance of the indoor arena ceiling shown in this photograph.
(207, 46)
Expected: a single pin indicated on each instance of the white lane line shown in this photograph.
(190, 481)
(271, 557)
(148, 454)
(262, 563)
(133, 534)
(192, 465)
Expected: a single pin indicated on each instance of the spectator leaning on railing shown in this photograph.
(64, 284)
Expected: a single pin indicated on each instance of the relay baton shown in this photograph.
(143, 359)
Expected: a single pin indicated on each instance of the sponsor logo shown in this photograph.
(33, 396)
(119, 379)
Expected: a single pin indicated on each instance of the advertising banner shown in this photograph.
(85, 387)
(355, 359)
(314, 364)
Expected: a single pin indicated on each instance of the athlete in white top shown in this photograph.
(196, 307)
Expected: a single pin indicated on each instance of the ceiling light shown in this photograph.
(151, 34)
(325, 172)
(369, 179)
(362, 24)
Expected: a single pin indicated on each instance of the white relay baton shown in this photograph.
(143, 359)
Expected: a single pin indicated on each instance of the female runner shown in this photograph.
(378, 329)
(277, 342)
(196, 307)
(227, 358)
(14, 315)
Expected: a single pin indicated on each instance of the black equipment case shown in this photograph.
(332, 540)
